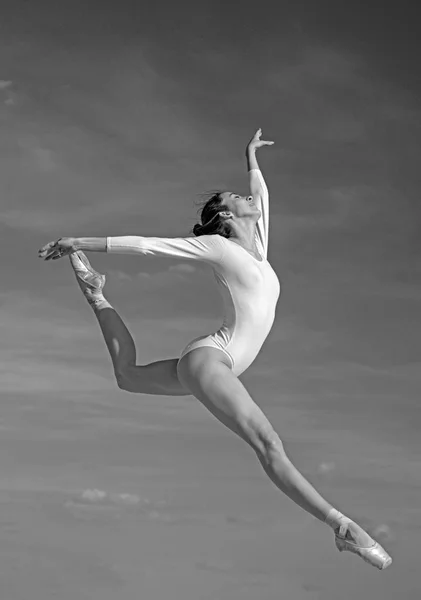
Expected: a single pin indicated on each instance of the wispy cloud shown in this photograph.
(5, 85)
(182, 268)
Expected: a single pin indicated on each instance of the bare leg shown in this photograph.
(214, 384)
(207, 375)
(155, 378)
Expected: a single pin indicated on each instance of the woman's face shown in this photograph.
(240, 206)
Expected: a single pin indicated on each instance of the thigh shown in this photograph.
(156, 378)
(207, 374)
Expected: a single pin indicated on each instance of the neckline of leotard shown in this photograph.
(249, 253)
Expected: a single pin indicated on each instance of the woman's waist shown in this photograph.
(247, 326)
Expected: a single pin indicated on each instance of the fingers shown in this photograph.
(53, 254)
(259, 142)
(45, 250)
(51, 250)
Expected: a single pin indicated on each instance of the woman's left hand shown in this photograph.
(58, 249)
(256, 142)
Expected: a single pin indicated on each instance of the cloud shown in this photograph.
(126, 277)
(8, 96)
(43, 158)
(100, 496)
(182, 268)
(326, 469)
(383, 533)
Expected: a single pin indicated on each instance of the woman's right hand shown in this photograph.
(256, 142)
(58, 249)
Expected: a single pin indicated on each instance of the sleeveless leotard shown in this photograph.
(250, 288)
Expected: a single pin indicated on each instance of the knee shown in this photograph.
(269, 447)
(122, 381)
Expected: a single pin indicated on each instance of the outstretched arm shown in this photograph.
(207, 248)
(91, 244)
(66, 245)
(258, 189)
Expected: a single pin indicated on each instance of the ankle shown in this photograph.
(335, 519)
(97, 301)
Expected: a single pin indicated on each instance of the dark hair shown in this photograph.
(211, 223)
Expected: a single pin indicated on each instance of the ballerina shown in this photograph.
(233, 239)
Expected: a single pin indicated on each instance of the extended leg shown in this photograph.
(206, 374)
(214, 384)
(155, 378)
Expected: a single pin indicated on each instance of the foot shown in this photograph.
(351, 537)
(90, 281)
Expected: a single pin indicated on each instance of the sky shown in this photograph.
(115, 117)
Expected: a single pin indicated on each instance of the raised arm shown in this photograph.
(259, 190)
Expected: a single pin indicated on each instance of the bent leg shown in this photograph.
(158, 378)
(211, 381)
(155, 378)
(117, 337)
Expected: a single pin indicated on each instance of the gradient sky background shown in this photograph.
(114, 118)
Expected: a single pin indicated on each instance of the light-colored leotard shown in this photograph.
(250, 288)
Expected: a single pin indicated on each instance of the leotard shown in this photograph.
(249, 287)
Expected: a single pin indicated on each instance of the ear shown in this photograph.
(226, 214)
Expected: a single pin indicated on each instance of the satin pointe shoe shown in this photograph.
(374, 554)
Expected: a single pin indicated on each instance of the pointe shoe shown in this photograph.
(90, 281)
(375, 554)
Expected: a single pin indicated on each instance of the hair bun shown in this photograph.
(197, 229)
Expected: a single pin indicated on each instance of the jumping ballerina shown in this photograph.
(233, 239)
